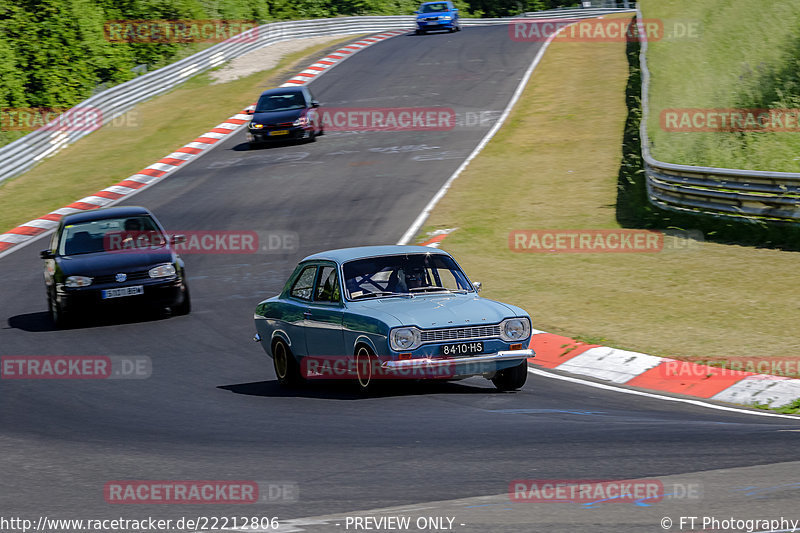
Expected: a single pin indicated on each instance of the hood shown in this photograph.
(276, 117)
(112, 262)
(442, 311)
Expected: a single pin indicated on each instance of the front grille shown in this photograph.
(453, 334)
(132, 276)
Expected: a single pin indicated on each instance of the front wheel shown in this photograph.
(57, 314)
(185, 307)
(365, 369)
(511, 378)
(286, 368)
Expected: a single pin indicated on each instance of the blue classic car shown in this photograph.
(390, 312)
(437, 16)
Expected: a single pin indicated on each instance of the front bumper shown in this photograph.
(435, 24)
(458, 366)
(292, 134)
(156, 293)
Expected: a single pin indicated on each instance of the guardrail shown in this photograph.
(722, 192)
(24, 153)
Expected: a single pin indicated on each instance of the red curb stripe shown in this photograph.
(343, 51)
(314, 68)
(235, 121)
(221, 130)
(55, 217)
(307, 74)
(152, 172)
(26, 230)
(326, 62)
(189, 150)
(552, 350)
(108, 194)
(83, 206)
(171, 161)
(131, 184)
(205, 140)
(683, 377)
(296, 81)
(6, 245)
(438, 238)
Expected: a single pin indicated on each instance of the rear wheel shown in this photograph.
(511, 378)
(286, 368)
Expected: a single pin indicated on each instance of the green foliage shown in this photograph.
(54, 53)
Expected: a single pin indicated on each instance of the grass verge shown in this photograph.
(555, 165)
(144, 135)
(741, 55)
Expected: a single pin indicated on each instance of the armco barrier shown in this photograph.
(723, 192)
(22, 154)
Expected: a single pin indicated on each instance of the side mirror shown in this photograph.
(178, 239)
(416, 12)
(46, 254)
(455, 10)
(314, 103)
(477, 285)
(249, 111)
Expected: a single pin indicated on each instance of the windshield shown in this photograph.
(111, 234)
(434, 8)
(403, 274)
(280, 102)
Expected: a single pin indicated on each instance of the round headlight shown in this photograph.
(404, 339)
(515, 329)
(78, 281)
(162, 271)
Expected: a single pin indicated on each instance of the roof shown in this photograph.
(106, 212)
(283, 90)
(348, 254)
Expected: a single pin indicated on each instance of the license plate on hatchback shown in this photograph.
(278, 132)
(462, 348)
(122, 291)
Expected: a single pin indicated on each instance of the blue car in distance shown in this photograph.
(390, 312)
(437, 16)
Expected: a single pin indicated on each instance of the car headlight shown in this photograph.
(302, 121)
(404, 339)
(78, 281)
(256, 126)
(162, 271)
(515, 329)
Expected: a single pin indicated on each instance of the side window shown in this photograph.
(305, 282)
(328, 285)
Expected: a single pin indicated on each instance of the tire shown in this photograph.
(185, 307)
(286, 368)
(365, 366)
(418, 32)
(312, 136)
(512, 378)
(57, 314)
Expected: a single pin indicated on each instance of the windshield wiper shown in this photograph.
(427, 289)
(379, 294)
